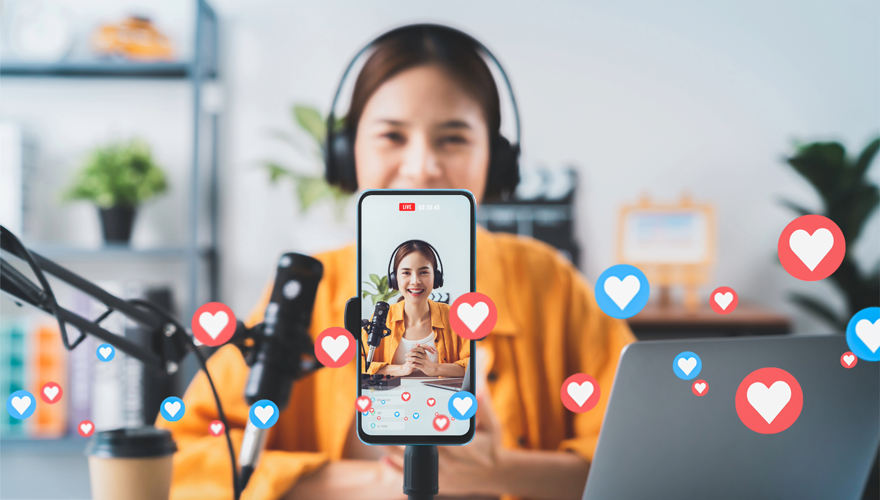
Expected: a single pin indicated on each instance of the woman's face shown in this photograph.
(415, 277)
(421, 130)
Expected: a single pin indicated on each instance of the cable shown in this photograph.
(203, 363)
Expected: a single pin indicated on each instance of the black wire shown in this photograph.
(203, 363)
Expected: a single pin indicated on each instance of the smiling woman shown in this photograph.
(421, 342)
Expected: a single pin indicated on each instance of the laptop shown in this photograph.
(659, 440)
(453, 384)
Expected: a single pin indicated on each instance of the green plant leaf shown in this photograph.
(866, 158)
(311, 190)
(365, 294)
(820, 163)
(310, 120)
(820, 310)
(376, 280)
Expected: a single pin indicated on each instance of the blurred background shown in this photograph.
(205, 117)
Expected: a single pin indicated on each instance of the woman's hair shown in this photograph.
(424, 45)
(410, 247)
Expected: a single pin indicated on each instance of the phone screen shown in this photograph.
(416, 255)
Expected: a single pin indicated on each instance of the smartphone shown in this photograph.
(416, 255)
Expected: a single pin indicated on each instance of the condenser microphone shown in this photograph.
(376, 329)
(283, 350)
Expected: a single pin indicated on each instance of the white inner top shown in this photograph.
(407, 345)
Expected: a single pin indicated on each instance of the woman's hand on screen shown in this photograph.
(419, 358)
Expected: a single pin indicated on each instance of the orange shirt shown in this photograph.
(450, 347)
(549, 327)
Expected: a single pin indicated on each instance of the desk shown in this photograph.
(674, 322)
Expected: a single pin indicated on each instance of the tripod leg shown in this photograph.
(420, 472)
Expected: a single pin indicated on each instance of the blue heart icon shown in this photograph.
(397, 414)
(105, 352)
(263, 414)
(416, 416)
(172, 409)
(21, 404)
(462, 405)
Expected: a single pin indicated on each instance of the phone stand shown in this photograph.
(420, 466)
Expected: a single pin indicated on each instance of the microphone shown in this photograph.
(282, 350)
(376, 329)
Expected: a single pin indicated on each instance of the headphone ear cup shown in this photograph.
(438, 279)
(339, 158)
(392, 280)
(503, 169)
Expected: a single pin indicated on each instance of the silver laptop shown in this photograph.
(454, 384)
(659, 440)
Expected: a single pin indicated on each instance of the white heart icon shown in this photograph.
(264, 413)
(723, 299)
(687, 365)
(769, 402)
(580, 393)
(700, 387)
(335, 348)
(21, 404)
(85, 428)
(105, 352)
(848, 359)
(622, 292)
(172, 408)
(441, 422)
(363, 403)
(216, 428)
(213, 324)
(473, 316)
(462, 404)
(50, 392)
(811, 248)
(869, 333)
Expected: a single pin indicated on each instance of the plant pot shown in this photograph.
(117, 223)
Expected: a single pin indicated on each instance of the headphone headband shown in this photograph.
(331, 118)
(438, 274)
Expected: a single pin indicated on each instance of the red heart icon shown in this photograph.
(405, 396)
(431, 401)
(441, 423)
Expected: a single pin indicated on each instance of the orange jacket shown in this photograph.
(549, 327)
(450, 347)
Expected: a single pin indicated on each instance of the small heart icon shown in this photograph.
(335, 348)
(811, 248)
(213, 324)
(700, 387)
(580, 393)
(848, 359)
(440, 423)
(85, 427)
(869, 333)
(405, 396)
(687, 365)
(363, 403)
(21, 404)
(50, 392)
(462, 404)
(622, 292)
(172, 408)
(216, 428)
(397, 414)
(768, 402)
(105, 352)
(723, 299)
(431, 402)
(473, 316)
(264, 413)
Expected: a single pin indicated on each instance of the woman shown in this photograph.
(422, 115)
(421, 342)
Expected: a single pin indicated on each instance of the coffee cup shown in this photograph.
(134, 464)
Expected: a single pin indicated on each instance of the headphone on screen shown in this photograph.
(503, 173)
(438, 273)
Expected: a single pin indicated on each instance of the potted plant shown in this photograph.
(382, 294)
(848, 198)
(117, 178)
(308, 142)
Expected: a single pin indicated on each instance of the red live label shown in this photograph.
(407, 207)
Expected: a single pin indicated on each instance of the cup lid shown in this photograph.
(141, 442)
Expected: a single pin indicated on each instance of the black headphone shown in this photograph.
(503, 159)
(438, 273)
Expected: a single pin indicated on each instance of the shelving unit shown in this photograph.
(200, 69)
